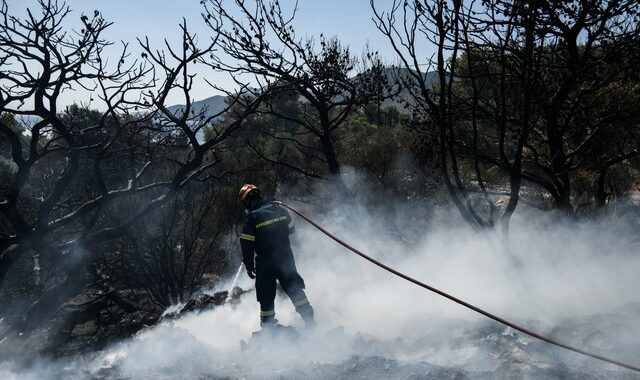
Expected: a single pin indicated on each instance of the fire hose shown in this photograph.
(458, 300)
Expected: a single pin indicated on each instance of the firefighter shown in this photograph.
(267, 256)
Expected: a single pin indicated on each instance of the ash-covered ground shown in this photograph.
(456, 349)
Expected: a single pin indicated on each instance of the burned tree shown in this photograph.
(169, 256)
(572, 97)
(75, 168)
(262, 43)
(515, 83)
(42, 61)
(409, 25)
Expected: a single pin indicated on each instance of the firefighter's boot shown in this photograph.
(268, 319)
(303, 307)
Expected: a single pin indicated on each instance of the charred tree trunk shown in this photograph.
(330, 154)
(559, 167)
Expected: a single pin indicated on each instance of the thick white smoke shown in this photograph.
(572, 283)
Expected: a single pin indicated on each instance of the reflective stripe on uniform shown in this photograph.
(301, 302)
(247, 237)
(271, 221)
(268, 313)
(291, 224)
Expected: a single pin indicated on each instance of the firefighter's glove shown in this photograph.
(251, 273)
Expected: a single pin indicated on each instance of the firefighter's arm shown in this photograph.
(292, 223)
(247, 256)
(247, 243)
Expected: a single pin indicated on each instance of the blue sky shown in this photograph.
(350, 20)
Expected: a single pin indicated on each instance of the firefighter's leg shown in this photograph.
(266, 294)
(304, 308)
(293, 284)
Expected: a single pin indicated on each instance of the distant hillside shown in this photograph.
(213, 105)
(393, 74)
(216, 103)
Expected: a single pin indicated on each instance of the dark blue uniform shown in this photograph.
(267, 250)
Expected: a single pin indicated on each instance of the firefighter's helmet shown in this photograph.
(246, 189)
